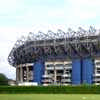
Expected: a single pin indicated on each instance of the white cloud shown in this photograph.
(19, 17)
(79, 11)
(5, 48)
(7, 6)
(8, 70)
(85, 2)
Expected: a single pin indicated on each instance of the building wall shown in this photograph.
(96, 75)
(76, 71)
(60, 72)
(57, 72)
(38, 70)
(87, 70)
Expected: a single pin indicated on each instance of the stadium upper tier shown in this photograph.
(60, 45)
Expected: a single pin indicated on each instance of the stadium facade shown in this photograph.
(58, 58)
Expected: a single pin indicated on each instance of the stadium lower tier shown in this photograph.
(66, 72)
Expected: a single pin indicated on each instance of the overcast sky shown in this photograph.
(19, 17)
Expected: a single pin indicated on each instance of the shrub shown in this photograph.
(89, 89)
(3, 79)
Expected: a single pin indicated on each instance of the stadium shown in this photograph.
(61, 58)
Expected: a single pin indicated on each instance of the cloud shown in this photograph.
(19, 17)
(84, 9)
(9, 71)
(7, 6)
(85, 2)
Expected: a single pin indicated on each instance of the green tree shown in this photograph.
(3, 79)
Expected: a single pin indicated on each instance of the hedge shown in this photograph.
(50, 89)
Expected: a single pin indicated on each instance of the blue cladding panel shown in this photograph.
(76, 71)
(38, 71)
(87, 71)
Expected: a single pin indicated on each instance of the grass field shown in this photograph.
(49, 97)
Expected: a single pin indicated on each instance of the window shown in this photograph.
(59, 65)
(51, 65)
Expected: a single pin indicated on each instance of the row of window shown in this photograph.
(60, 65)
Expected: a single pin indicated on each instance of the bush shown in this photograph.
(3, 79)
(51, 89)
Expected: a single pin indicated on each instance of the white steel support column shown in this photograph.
(17, 74)
(55, 79)
(45, 72)
(21, 73)
(27, 73)
(64, 69)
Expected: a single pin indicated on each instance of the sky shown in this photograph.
(19, 17)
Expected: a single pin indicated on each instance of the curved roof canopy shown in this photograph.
(59, 45)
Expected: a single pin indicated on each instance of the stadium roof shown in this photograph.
(60, 45)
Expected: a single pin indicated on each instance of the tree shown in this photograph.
(3, 79)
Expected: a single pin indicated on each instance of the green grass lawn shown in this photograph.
(49, 97)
